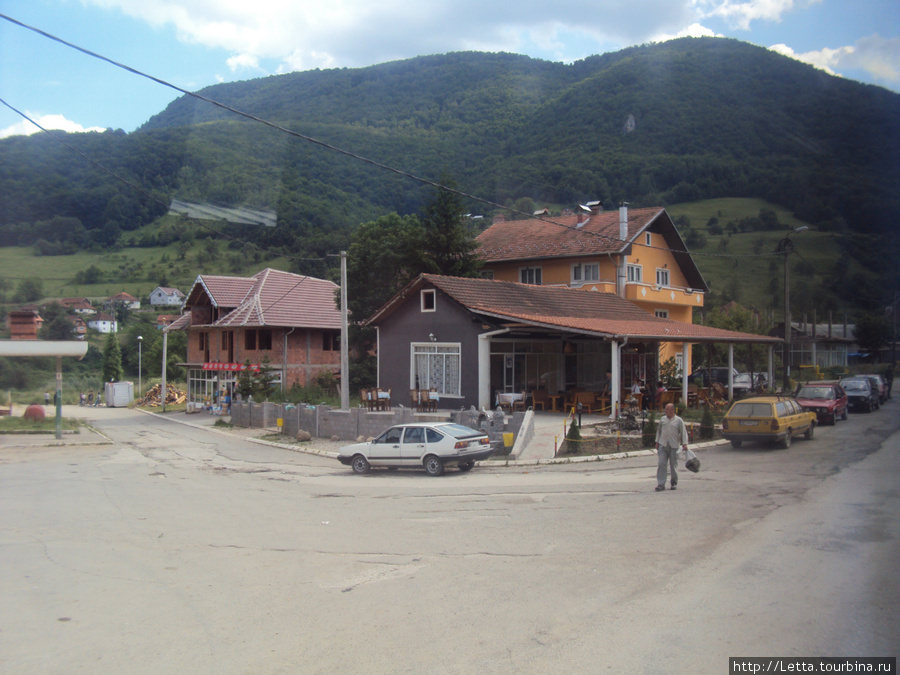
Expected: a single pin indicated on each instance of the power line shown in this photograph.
(341, 151)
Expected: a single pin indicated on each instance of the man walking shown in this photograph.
(670, 434)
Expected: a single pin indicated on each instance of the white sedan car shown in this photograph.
(431, 445)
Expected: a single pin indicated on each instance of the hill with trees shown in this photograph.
(661, 124)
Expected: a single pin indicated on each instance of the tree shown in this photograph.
(57, 325)
(29, 290)
(112, 359)
(449, 247)
(872, 332)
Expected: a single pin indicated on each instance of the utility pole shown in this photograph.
(786, 247)
(345, 342)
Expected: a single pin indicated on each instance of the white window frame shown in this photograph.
(581, 272)
(430, 292)
(531, 275)
(635, 273)
(648, 240)
(661, 313)
(663, 278)
(442, 370)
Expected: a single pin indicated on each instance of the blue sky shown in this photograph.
(197, 43)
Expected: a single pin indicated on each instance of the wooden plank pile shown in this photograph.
(152, 397)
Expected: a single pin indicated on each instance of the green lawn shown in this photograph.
(743, 266)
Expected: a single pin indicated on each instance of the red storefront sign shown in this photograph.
(233, 367)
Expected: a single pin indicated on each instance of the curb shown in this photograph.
(492, 463)
(488, 463)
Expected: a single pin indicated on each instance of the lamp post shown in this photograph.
(786, 247)
(140, 341)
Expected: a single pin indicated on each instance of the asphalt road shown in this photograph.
(177, 549)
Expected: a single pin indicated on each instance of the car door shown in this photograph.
(412, 449)
(799, 420)
(386, 448)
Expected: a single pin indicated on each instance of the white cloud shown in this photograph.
(694, 30)
(243, 62)
(56, 122)
(287, 35)
(741, 13)
(877, 56)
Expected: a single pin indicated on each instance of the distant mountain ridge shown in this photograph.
(708, 118)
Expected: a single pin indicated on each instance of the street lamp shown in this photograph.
(140, 341)
(786, 247)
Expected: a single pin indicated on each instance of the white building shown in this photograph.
(167, 297)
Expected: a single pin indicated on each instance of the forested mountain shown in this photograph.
(657, 124)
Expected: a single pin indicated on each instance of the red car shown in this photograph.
(827, 399)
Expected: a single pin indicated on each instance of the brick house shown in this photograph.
(291, 319)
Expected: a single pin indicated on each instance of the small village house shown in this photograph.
(163, 296)
(290, 319)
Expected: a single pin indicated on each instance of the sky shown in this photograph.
(197, 43)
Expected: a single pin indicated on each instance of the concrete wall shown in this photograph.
(348, 425)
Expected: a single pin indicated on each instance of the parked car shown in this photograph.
(767, 418)
(432, 446)
(743, 384)
(861, 394)
(881, 385)
(706, 376)
(827, 399)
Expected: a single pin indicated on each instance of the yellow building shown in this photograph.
(636, 254)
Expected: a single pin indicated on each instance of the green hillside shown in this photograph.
(684, 124)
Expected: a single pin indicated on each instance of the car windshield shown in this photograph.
(816, 392)
(458, 430)
(855, 385)
(747, 409)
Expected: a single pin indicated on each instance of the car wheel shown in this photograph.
(786, 441)
(434, 466)
(466, 466)
(360, 464)
(809, 432)
(844, 415)
(736, 444)
(833, 419)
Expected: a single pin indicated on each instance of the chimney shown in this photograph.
(623, 221)
(23, 325)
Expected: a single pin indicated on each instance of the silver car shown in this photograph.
(429, 445)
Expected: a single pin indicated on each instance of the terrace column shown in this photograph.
(771, 373)
(685, 348)
(730, 371)
(616, 386)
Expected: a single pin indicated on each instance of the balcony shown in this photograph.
(664, 295)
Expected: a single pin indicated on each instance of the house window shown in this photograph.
(264, 339)
(634, 274)
(530, 275)
(437, 367)
(428, 298)
(662, 313)
(662, 277)
(585, 272)
(250, 339)
(648, 239)
(202, 341)
(331, 341)
(487, 274)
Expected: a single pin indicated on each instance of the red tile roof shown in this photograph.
(601, 314)
(569, 234)
(269, 298)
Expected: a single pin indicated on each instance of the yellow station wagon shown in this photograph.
(767, 418)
